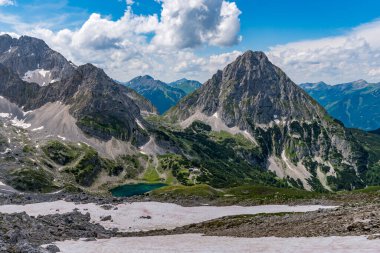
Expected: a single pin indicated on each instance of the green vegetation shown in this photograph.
(346, 179)
(223, 159)
(370, 142)
(259, 195)
(28, 149)
(87, 169)
(132, 165)
(252, 194)
(105, 127)
(32, 180)
(373, 175)
(151, 175)
(60, 153)
(180, 191)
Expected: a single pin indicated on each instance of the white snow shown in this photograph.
(216, 124)
(127, 217)
(38, 129)
(5, 115)
(61, 137)
(39, 76)
(6, 151)
(20, 123)
(140, 125)
(212, 244)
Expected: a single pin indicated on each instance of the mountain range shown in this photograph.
(188, 86)
(64, 126)
(162, 95)
(356, 104)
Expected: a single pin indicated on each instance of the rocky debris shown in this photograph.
(52, 248)
(350, 220)
(23, 233)
(83, 198)
(107, 207)
(106, 218)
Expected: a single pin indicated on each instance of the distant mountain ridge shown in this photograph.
(186, 85)
(356, 104)
(162, 95)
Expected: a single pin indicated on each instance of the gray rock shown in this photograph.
(53, 248)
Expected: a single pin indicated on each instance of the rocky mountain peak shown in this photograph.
(246, 64)
(251, 90)
(253, 97)
(315, 86)
(33, 60)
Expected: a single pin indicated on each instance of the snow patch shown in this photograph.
(5, 115)
(38, 129)
(163, 215)
(20, 123)
(61, 137)
(140, 125)
(40, 76)
(191, 243)
(216, 124)
(6, 151)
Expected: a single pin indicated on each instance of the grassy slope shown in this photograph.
(258, 195)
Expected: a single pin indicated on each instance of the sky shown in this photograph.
(333, 41)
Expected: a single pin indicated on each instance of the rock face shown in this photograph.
(356, 104)
(187, 86)
(300, 140)
(33, 59)
(159, 93)
(22, 233)
(101, 107)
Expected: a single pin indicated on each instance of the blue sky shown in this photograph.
(271, 26)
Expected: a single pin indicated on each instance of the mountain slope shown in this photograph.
(65, 126)
(159, 93)
(298, 139)
(99, 106)
(356, 104)
(33, 60)
(187, 86)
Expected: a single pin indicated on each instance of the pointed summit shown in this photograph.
(253, 97)
(251, 90)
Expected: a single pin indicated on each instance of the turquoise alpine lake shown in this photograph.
(129, 190)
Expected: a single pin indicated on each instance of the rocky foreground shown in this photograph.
(24, 233)
(343, 221)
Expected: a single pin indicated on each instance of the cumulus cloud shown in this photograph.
(6, 2)
(188, 24)
(131, 46)
(352, 56)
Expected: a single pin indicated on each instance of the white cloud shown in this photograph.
(352, 56)
(130, 46)
(130, 2)
(7, 2)
(191, 23)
